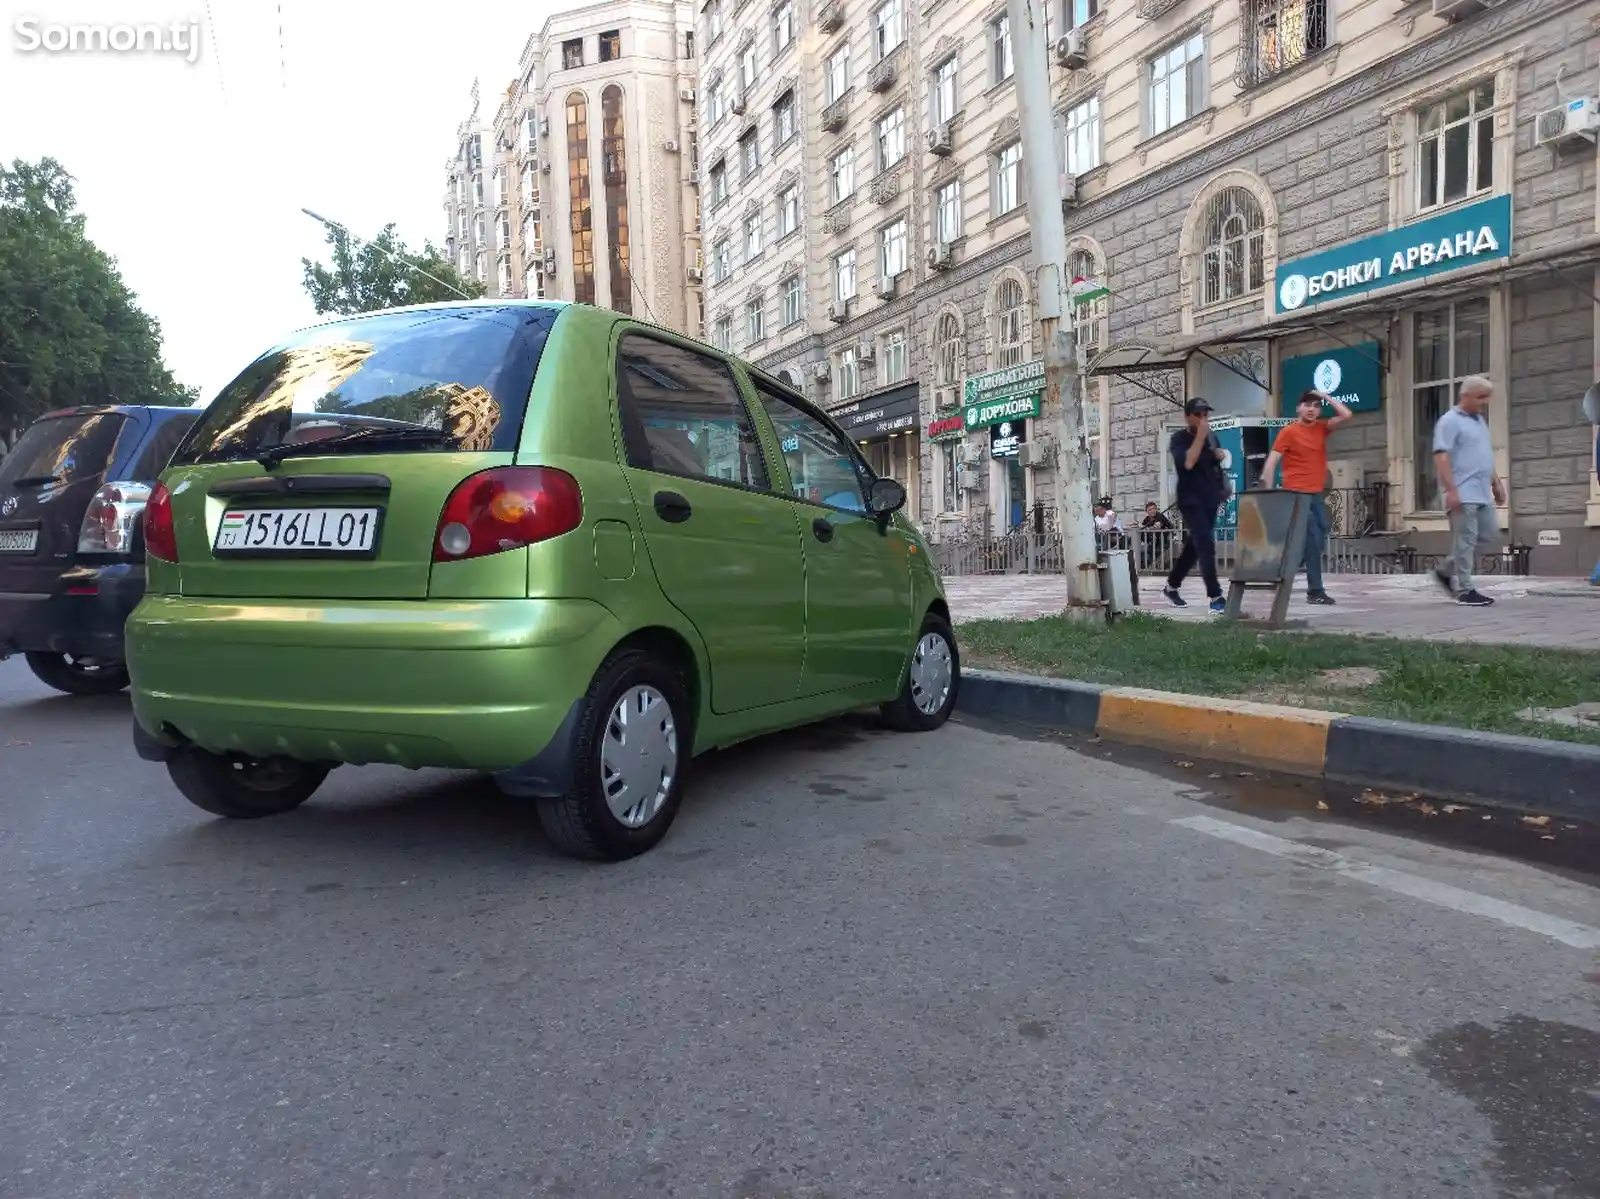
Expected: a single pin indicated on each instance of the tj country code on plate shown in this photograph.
(298, 531)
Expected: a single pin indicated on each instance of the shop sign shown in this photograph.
(1462, 237)
(879, 415)
(947, 428)
(1006, 438)
(992, 412)
(998, 385)
(1353, 375)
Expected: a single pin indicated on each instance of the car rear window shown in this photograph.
(62, 449)
(465, 372)
(158, 447)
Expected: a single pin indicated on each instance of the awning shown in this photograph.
(1132, 358)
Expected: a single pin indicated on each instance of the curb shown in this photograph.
(1523, 774)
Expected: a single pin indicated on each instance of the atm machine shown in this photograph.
(1246, 441)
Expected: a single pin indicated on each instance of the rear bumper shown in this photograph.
(480, 685)
(82, 614)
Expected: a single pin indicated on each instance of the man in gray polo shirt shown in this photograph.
(1464, 459)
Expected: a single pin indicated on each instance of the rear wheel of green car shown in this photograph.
(933, 677)
(629, 755)
(242, 788)
(79, 676)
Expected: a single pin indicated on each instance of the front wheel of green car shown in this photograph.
(928, 695)
(628, 761)
(243, 788)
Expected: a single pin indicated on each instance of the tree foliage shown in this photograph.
(71, 332)
(365, 276)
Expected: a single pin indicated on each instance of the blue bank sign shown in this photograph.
(1464, 236)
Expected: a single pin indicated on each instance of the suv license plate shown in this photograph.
(303, 532)
(18, 541)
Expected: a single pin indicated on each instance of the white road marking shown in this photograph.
(1579, 936)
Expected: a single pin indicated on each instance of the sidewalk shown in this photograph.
(1557, 613)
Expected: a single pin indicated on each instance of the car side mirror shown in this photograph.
(884, 498)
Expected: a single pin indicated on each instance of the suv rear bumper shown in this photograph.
(83, 613)
(479, 685)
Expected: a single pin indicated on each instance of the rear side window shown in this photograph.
(682, 414)
(822, 468)
(464, 372)
(61, 450)
(159, 445)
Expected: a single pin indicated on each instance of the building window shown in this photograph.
(891, 139)
(946, 102)
(614, 156)
(782, 27)
(1083, 137)
(719, 183)
(947, 212)
(1000, 63)
(505, 277)
(1008, 179)
(849, 374)
(722, 333)
(842, 175)
(1282, 34)
(838, 72)
(788, 210)
(462, 223)
(1078, 13)
(572, 53)
(889, 27)
(1448, 344)
(752, 235)
(747, 68)
(1087, 319)
(1233, 260)
(611, 45)
(1177, 84)
(844, 276)
(483, 267)
(892, 250)
(749, 154)
(581, 208)
(1455, 147)
(505, 232)
(477, 190)
(793, 308)
(714, 100)
(895, 359)
(1010, 324)
(713, 21)
(721, 261)
(478, 227)
(754, 322)
(948, 348)
(688, 44)
(783, 119)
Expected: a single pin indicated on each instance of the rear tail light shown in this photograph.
(506, 509)
(109, 524)
(160, 538)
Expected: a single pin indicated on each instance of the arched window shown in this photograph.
(947, 354)
(1011, 342)
(614, 156)
(1088, 320)
(1233, 254)
(580, 202)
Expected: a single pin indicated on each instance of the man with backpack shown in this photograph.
(1202, 490)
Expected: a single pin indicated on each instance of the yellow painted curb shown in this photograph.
(1292, 739)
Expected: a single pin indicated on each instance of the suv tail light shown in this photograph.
(108, 525)
(507, 509)
(160, 538)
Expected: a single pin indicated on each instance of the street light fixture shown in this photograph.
(410, 266)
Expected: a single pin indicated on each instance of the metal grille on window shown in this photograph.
(1233, 261)
(1009, 309)
(947, 362)
(1281, 34)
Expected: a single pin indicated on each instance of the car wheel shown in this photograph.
(243, 788)
(79, 676)
(932, 679)
(628, 761)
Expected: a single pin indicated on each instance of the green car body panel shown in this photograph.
(480, 663)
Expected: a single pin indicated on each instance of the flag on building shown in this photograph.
(1084, 291)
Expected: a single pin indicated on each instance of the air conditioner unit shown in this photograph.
(736, 105)
(686, 94)
(971, 455)
(1347, 474)
(866, 351)
(839, 311)
(1573, 121)
(968, 478)
(820, 371)
(1069, 190)
(886, 287)
(696, 274)
(940, 256)
(544, 167)
(1454, 10)
(549, 260)
(1037, 454)
(1072, 50)
(544, 126)
(939, 141)
(670, 146)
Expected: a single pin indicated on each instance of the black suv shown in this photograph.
(72, 496)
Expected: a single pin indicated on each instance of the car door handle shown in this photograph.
(672, 507)
(822, 529)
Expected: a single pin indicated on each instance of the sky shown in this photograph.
(193, 175)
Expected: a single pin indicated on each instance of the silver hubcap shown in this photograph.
(639, 756)
(930, 674)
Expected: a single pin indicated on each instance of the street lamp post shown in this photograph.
(410, 266)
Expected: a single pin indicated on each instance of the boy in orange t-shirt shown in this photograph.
(1302, 448)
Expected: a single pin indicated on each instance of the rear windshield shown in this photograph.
(61, 450)
(464, 372)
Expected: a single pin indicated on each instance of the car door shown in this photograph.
(858, 569)
(725, 548)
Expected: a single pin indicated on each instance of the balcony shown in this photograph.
(1149, 10)
(882, 76)
(836, 114)
(837, 218)
(831, 16)
(885, 189)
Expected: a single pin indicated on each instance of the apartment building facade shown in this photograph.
(1235, 172)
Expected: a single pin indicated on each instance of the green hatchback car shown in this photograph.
(539, 540)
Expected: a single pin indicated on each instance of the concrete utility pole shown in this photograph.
(1042, 160)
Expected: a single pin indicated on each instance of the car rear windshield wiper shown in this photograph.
(35, 480)
(365, 439)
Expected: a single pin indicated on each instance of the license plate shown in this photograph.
(18, 541)
(302, 532)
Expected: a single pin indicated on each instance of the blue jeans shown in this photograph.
(1316, 542)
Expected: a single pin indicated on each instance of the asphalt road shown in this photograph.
(966, 964)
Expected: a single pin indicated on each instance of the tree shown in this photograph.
(364, 278)
(71, 332)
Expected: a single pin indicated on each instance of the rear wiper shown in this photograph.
(35, 480)
(366, 439)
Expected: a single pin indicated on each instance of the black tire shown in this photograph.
(581, 822)
(78, 676)
(242, 788)
(905, 715)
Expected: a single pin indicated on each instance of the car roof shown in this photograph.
(160, 411)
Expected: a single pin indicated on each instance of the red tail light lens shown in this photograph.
(507, 509)
(160, 538)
